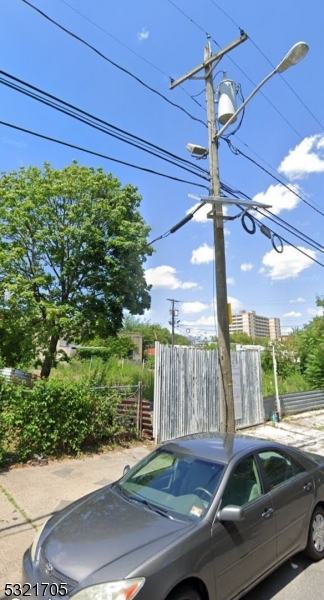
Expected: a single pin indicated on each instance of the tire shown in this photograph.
(184, 592)
(315, 543)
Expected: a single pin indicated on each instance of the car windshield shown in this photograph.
(180, 485)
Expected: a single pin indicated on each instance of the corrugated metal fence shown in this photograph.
(186, 391)
(294, 403)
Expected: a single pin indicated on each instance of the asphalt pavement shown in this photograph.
(29, 495)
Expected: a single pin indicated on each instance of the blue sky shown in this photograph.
(154, 40)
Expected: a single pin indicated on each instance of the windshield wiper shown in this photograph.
(157, 509)
(122, 491)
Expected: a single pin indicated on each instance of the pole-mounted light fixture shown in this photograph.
(294, 56)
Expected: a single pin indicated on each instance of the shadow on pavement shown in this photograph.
(279, 579)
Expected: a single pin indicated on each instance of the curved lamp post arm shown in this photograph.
(237, 112)
(295, 54)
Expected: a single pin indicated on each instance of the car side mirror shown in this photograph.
(126, 469)
(231, 513)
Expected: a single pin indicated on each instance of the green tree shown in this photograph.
(241, 338)
(72, 248)
(310, 342)
(152, 332)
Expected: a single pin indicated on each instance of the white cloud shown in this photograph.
(246, 266)
(302, 160)
(316, 312)
(165, 277)
(201, 215)
(203, 254)
(201, 322)
(279, 198)
(292, 314)
(289, 264)
(230, 281)
(234, 302)
(143, 34)
(193, 307)
(298, 300)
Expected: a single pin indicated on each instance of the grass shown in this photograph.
(20, 510)
(106, 374)
(292, 384)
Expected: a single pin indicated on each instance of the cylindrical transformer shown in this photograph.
(226, 100)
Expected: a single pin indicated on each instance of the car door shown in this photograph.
(244, 550)
(292, 493)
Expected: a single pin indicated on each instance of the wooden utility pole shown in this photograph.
(225, 366)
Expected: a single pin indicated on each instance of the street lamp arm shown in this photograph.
(239, 110)
(294, 56)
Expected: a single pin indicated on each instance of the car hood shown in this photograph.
(102, 529)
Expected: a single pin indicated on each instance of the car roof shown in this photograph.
(217, 446)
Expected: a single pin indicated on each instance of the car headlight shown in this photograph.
(114, 590)
(35, 542)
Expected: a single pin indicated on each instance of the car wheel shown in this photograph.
(184, 592)
(315, 544)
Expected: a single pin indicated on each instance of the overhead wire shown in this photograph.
(103, 126)
(178, 225)
(282, 175)
(235, 193)
(129, 49)
(187, 17)
(272, 65)
(111, 158)
(236, 150)
(122, 69)
(279, 221)
(300, 136)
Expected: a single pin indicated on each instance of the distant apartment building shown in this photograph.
(247, 321)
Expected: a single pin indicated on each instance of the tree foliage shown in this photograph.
(117, 346)
(310, 342)
(72, 248)
(152, 332)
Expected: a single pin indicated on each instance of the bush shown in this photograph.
(57, 417)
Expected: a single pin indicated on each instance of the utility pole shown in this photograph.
(174, 314)
(293, 57)
(224, 355)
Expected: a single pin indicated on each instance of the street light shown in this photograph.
(296, 53)
(294, 56)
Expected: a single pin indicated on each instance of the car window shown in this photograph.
(244, 485)
(178, 482)
(279, 467)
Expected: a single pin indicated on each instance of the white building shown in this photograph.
(247, 321)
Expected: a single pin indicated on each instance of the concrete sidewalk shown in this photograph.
(29, 495)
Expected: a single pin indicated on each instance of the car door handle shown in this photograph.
(307, 487)
(267, 513)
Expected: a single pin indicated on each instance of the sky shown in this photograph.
(282, 130)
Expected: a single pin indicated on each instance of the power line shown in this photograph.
(129, 49)
(245, 74)
(123, 69)
(236, 151)
(278, 220)
(125, 134)
(178, 225)
(268, 165)
(187, 17)
(235, 193)
(63, 143)
(272, 65)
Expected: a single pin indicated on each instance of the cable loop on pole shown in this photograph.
(252, 221)
(278, 248)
